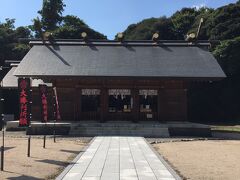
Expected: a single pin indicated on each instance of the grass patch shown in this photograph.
(226, 128)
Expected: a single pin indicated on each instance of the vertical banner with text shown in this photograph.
(24, 101)
(43, 97)
(56, 107)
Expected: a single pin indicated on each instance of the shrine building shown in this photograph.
(107, 80)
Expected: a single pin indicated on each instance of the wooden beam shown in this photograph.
(104, 104)
(135, 96)
(78, 103)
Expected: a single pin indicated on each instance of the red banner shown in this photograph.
(56, 107)
(24, 101)
(43, 96)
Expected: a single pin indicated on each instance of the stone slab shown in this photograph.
(119, 158)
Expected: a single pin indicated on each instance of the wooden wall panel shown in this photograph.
(66, 99)
(172, 99)
(175, 105)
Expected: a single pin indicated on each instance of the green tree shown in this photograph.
(66, 27)
(225, 22)
(183, 21)
(206, 14)
(227, 54)
(51, 14)
(146, 28)
(72, 27)
(10, 47)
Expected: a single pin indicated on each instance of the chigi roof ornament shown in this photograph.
(120, 37)
(155, 37)
(84, 36)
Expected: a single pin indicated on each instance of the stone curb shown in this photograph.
(67, 169)
(170, 169)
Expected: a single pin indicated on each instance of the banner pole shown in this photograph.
(54, 132)
(29, 138)
(3, 136)
(3, 144)
(44, 137)
(44, 141)
(29, 146)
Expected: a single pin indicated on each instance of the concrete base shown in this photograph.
(49, 128)
(118, 128)
(226, 135)
(146, 129)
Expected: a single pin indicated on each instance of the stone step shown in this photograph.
(123, 131)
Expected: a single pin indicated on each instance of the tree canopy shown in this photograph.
(72, 27)
(67, 27)
(146, 28)
(10, 48)
(227, 54)
(222, 23)
(51, 14)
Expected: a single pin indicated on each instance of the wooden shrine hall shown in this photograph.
(107, 80)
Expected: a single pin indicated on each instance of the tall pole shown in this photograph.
(29, 125)
(29, 138)
(44, 137)
(3, 134)
(2, 147)
(55, 117)
(54, 132)
(3, 122)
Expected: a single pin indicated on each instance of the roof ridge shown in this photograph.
(102, 42)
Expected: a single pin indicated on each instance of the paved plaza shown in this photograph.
(119, 158)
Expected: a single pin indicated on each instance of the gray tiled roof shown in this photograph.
(121, 61)
(11, 81)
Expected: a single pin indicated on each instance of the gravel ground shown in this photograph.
(202, 160)
(43, 163)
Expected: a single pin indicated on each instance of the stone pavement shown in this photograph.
(119, 158)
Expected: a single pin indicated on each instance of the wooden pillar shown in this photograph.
(78, 101)
(161, 104)
(135, 96)
(185, 106)
(104, 104)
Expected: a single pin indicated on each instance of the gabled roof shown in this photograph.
(115, 59)
(11, 82)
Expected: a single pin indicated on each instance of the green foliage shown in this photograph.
(9, 45)
(72, 27)
(225, 22)
(65, 27)
(183, 20)
(37, 27)
(51, 14)
(146, 28)
(173, 28)
(222, 23)
(228, 54)
(206, 14)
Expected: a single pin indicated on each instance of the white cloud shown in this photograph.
(199, 6)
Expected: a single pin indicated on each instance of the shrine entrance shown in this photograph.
(90, 104)
(120, 104)
(148, 105)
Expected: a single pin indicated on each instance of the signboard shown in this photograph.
(43, 96)
(24, 101)
(89, 92)
(56, 107)
(119, 92)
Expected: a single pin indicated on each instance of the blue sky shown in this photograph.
(106, 16)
